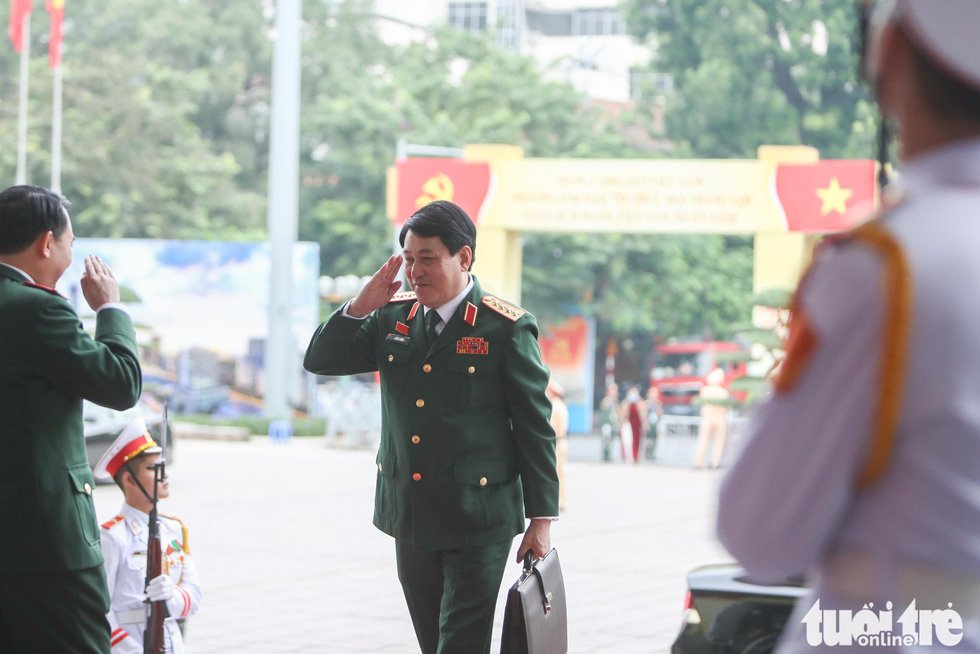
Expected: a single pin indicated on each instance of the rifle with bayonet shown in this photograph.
(153, 639)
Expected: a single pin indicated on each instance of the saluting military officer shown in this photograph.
(53, 595)
(130, 463)
(861, 468)
(465, 431)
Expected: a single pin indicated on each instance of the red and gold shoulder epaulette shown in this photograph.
(109, 524)
(183, 528)
(506, 309)
(404, 296)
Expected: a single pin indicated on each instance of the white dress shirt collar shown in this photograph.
(28, 277)
(447, 310)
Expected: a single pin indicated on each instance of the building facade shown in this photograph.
(583, 42)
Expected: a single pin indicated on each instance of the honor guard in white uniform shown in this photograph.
(124, 545)
(862, 469)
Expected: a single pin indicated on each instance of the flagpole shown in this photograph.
(25, 56)
(56, 133)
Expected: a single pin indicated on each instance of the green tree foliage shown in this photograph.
(450, 90)
(146, 86)
(166, 136)
(753, 72)
(665, 285)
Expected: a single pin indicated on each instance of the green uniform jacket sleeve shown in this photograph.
(342, 346)
(526, 379)
(48, 365)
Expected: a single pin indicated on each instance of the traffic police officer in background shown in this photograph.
(862, 468)
(465, 432)
(130, 463)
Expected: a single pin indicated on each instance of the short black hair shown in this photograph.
(26, 212)
(945, 94)
(445, 220)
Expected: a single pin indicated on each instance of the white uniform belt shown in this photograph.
(864, 576)
(135, 616)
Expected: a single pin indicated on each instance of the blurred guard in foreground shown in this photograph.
(53, 594)
(465, 438)
(129, 462)
(862, 468)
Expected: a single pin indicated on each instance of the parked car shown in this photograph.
(728, 612)
(102, 426)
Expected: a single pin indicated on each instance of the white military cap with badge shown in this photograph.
(133, 441)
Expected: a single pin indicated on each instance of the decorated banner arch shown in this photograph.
(783, 199)
(784, 196)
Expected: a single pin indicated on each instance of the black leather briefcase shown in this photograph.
(535, 620)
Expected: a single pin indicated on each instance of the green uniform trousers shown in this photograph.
(61, 612)
(452, 595)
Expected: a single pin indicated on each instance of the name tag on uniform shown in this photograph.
(398, 338)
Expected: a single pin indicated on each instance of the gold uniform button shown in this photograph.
(416, 439)
(391, 357)
(380, 468)
(472, 369)
(483, 481)
(417, 476)
(420, 403)
(427, 368)
(88, 488)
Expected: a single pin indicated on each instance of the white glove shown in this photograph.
(160, 589)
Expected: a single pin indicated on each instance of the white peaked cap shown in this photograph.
(132, 441)
(946, 32)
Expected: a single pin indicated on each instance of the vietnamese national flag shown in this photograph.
(57, 10)
(827, 196)
(19, 9)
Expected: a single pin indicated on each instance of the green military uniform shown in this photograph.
(465, 435)
(50, 560)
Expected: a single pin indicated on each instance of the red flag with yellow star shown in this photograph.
(57, 10)
(19, 9)
(827, 196)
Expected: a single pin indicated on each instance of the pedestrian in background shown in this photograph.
(559, 422)
(465, 433)
(713, 428)
(861, 469)
(633, 415)
(53, 595)
(609, 420)
(655, 411)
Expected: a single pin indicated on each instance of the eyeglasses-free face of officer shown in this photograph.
(435, 275)
(439, 248)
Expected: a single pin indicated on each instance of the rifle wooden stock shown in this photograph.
(153, 639)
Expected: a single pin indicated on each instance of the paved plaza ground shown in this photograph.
(290, 562)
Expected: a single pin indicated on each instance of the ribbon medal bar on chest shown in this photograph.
(472, 345)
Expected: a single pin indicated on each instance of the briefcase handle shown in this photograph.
(529, 570)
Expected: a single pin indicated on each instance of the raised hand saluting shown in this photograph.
(379, 291)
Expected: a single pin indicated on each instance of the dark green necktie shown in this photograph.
(432, 319)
